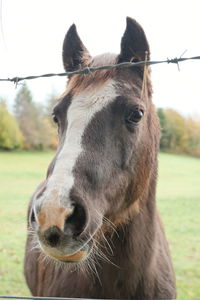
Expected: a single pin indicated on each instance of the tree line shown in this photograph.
(30, 127)
(179, 134)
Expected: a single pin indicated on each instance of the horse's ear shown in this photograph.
(75, 55)
(134, 45)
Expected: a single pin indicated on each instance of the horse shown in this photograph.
(94, 230)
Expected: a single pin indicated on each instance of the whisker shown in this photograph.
(107, 221)
(111, 224)
(105, 239)
(101, 255)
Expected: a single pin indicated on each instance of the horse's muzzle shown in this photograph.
(61, 231)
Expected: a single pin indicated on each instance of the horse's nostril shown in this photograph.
(75, 223)
(32, 217)
(52, 238)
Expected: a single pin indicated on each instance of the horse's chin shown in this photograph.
(76, 257)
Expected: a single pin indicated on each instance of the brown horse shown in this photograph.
(95, 213)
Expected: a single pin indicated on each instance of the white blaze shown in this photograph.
(81, 110)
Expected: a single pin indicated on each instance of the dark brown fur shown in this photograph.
(136, 264)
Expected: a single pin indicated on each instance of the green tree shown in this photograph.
(51, 101)
(176, 131)
(10, 134)
(163, 125)
(179, 134)
(193, 128)
(31, 119)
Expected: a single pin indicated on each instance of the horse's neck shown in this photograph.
(133, 239)
(128, 251)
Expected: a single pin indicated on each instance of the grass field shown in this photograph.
(178, 200)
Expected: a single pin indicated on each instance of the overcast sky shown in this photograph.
(32, 33)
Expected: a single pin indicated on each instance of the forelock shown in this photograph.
(79, 82)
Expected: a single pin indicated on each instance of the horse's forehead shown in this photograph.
(93, 98)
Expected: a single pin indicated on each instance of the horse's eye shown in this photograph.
(134, 116)
(55, 119)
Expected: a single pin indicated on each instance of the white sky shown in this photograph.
(34, 30)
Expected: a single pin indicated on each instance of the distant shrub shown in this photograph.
(36, 127)
(179, 134)
(10, 134)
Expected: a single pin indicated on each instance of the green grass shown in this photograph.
(179, 204)
(20, 173)
(178, 197)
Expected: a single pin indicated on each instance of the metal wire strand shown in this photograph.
(88, 70)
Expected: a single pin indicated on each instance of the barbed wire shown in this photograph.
(89, 70)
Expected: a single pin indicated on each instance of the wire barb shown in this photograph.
(89, 70)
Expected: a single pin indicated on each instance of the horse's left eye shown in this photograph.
(55, 119)
(134, 116)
